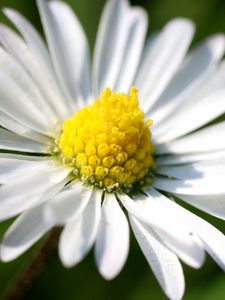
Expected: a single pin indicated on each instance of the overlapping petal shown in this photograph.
(112, 242)
(79, 235)
(40, 87)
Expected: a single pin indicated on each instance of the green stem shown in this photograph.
(30, 274)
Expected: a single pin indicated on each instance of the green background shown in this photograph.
(136, 281)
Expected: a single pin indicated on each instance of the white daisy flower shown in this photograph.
(87, 149)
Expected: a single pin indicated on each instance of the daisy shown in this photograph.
(90, 147)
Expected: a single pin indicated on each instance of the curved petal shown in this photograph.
(21, 156)
(112, 243)
(79, 235)
(212, 239)
(169, 227)
(68, 204)
(109, 42)
(212, 205)
(163, 61)
(198, 187)
(69, 49)
(163, 262)
(138, 22)
(30, 190)
(30, 34)
(23, 233)
(12, 141)
(40, 72)
(38, 48)
(210, 107)
(20, 129)
(206, 139)
(18, 91)
(197, 71)
(13, 168)
(204, 170)
(178, 159)
(212, 171)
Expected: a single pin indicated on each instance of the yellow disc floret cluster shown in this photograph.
(108, 143)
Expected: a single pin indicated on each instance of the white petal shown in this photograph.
(212, 205)
(163, 262)
(208, 170)
(68, 204)
(112, 243)
(20, 129)
(189, 81)
(12, 42)
(30, 34)
(20, 98)
(207, 139)
(21, 156)
(164, 61)
(138, 22)
(113, 32)
(79, 235)
(12, 141)
(40, 72)
(206, 99)
(216, 80)
(210, 107)
(212, 239)
(169, 227)
(23, 233)
(13, 168)
(149, 44)
(69, 49)
(39, 50)
(30, 190)
(178, 159)
(201, 187)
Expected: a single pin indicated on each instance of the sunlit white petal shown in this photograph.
(112, 240)
(79, 235)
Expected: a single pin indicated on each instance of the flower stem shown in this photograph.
(30, 274)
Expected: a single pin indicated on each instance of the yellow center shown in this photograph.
(108, 143)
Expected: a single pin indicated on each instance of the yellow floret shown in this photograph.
(108, 143)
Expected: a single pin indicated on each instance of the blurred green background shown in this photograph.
(136, 282)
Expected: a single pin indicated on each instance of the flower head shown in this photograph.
(86, 148)
(108, 144)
